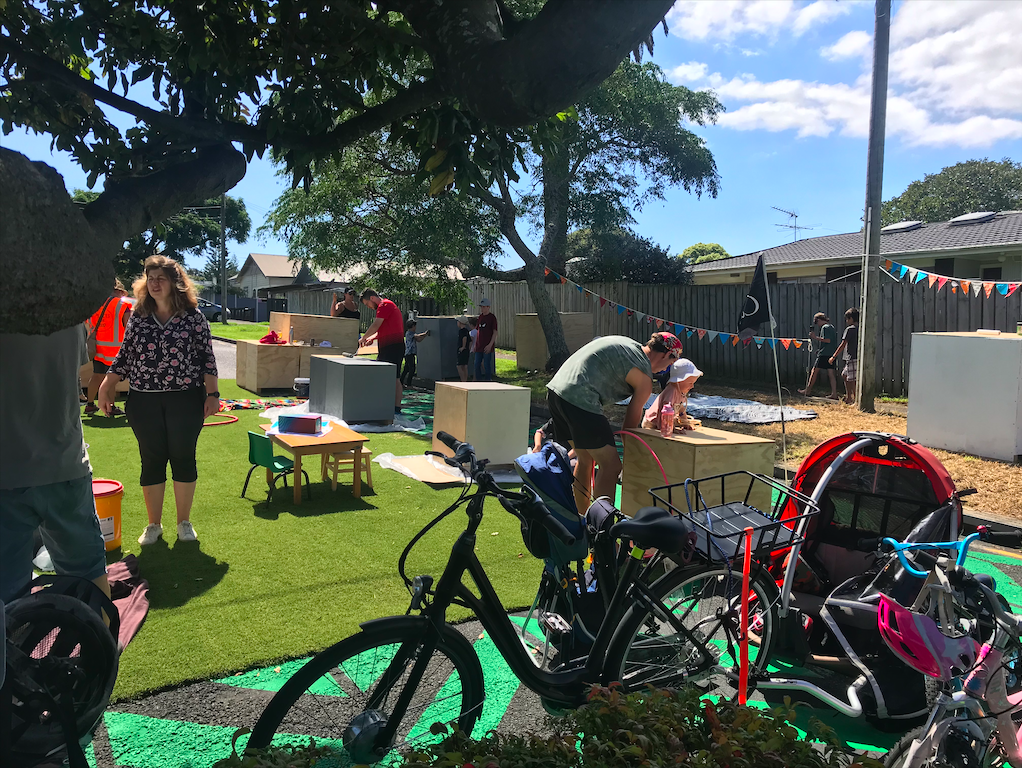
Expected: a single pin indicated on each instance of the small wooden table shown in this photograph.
(338, 439)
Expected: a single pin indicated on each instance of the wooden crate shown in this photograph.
(493, 417)
(85, 373)
(530, 343)
(275, 366)
(694, 454)
(342, 332)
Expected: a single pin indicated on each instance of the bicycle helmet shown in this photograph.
(917, 640)
(61, 665)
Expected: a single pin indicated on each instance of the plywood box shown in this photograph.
(530, 343)
(437, 353)
(341, 332)
(274, 366)
(351, 388)
(493, 417)
(966, 393)
(695, 454)
(85, 373)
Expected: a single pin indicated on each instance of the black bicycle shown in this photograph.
(383, 688)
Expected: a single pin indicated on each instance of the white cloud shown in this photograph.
(725, 20)
(955, 79)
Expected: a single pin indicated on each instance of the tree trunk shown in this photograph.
(549, 319)
(555, 207)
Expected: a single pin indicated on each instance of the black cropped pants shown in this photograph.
(167, 426)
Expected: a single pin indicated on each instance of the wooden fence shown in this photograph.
(905, 309)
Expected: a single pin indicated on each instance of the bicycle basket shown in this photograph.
(721, 508)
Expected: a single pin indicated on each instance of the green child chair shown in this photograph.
(260, 454)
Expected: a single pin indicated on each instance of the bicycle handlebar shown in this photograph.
(962, 578)
(1007, 538)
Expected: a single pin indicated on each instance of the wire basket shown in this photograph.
(721, 526)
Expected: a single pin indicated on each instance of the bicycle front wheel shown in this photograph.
(648, 649)
(344, 697)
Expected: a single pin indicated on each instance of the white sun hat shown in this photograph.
(684, 369)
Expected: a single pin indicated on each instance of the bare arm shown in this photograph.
(642, 387)
(421, 336)
(370, 335)
(839, 350)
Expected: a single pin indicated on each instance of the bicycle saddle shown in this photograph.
(655, 527)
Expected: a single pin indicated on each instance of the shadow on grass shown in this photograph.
(106, 422)
(178, 574)
(325, 501)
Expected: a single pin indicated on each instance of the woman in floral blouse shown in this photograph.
(167, 358)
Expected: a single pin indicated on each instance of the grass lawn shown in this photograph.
(240, 331)
(508, 373)
(270, 583)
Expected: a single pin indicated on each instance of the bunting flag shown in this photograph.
(1014, 287)
(965, 285)
(786, 343)
(546, 271)
(580, 288)
(920, 275)
(603, 302)
(888, 264)
(1002, 288)
(977, 286)
(985, 287)
(659, 323)
(797, 343)
(941, 282)
(931, 279)
(711, 334)
(701, 332)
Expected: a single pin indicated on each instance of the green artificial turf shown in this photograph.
(270, 583)
(240, 331)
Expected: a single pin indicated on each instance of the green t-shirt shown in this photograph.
(828, 347)
(595, 375)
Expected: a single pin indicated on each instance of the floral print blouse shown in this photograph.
(166, 358)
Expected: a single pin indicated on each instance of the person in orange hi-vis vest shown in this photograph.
(109, 324)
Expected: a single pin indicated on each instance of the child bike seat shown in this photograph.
(655, 527)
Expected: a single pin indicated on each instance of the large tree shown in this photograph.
(700, 252)
(194, 231)
(975, 185)
(303, 79)
(368, 213)
(602, 256)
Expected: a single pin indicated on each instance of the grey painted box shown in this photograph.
(437, 357)
(352, 389)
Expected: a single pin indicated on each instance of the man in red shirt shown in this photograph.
(388, 331)
(486, 341)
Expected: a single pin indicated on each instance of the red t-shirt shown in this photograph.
(487, 327)
(392, 331)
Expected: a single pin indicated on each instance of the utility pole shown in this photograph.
(865, 391)
(223, 258)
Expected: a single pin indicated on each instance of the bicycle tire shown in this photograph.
(324, 695)
(636, 665)
(966, 753)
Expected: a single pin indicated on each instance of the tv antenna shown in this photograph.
(792, 221)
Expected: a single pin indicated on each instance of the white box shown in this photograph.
(965, 393)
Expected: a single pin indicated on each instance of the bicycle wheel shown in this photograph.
(342, 697)
(706, 599)
(957, 749)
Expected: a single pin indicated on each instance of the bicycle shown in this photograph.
(978, 722)
(385, 687)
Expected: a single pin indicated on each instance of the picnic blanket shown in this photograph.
(736, 410)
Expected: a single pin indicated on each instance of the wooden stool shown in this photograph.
(352, 462)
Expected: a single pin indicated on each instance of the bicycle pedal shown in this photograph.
(553, 623)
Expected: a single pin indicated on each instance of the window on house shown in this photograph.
(842, 274)
(991, 273)
(771, 278)
(944, 267)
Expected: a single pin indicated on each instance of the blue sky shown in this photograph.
(794, 78)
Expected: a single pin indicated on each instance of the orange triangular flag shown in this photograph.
(932, 280)
(546, 271)
(564, 280)
(965, 285)
(887, 265)
(659, 323)
(797, 343)
(987, 288)
(701, 332)
(734, 341)
(954, 287)
(786, 343)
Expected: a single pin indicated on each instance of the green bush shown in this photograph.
(655, 728)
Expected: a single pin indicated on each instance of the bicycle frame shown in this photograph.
(565, 688)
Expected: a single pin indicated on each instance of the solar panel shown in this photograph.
(973, 218)
(902, 226)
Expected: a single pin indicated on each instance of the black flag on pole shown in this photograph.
(754, 310)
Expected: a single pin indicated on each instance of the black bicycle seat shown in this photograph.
(654, 527)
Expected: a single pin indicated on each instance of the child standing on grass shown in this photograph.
(850, 346)
(464, 342)
(473, 325)
(412, 340)
(827, 339)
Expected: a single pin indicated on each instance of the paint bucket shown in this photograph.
(108, 495)
(302, 386)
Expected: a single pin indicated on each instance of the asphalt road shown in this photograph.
(226, 359)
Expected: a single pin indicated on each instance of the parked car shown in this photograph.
(212, 311)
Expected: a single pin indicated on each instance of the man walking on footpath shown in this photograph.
(486, 342)
(388, 331)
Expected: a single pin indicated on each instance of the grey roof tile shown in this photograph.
(1005, 228)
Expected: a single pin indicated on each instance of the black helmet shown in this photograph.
(61, 665)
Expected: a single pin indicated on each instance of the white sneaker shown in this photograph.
(152, 532)
(186, 531)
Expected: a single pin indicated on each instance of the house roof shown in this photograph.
(272, 265)
(1003, 229)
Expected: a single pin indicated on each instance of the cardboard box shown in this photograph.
(354, 389)
(530, 343)
(341, 332)
(493, 417)
(695, 454)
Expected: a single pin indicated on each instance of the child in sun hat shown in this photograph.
(683, 377)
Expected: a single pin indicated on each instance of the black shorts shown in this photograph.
(824, 364)
(98, 367)
(463, 357)
(585, 430)
(392, 353)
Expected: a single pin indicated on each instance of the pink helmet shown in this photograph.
(917, 640)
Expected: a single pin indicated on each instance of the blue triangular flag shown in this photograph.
(772, 343)
(580, 288)
(689, 332)
(620, 309)
(725, 338)
(903, 272)
(1002, 288)
(920, 276)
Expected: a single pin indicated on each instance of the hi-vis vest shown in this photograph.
(109, 324)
